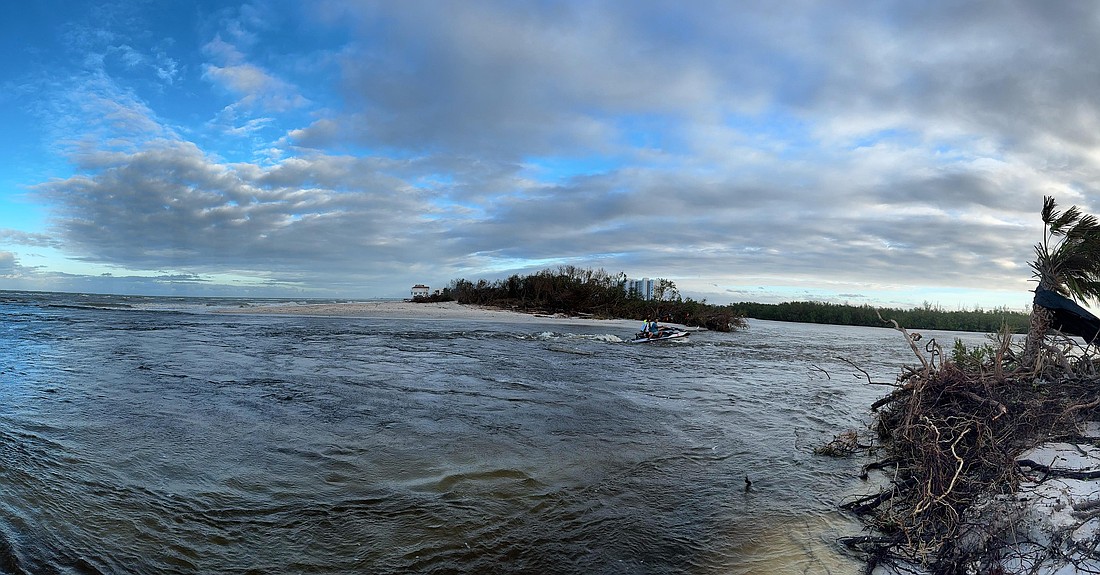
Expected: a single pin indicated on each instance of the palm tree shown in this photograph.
(1067, 262)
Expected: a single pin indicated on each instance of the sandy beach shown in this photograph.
(432, 311)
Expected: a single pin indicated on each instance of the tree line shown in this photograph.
(596, 293)
(927, 316)
(590, 292)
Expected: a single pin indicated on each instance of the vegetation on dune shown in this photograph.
(595, 293)
(924, 317)
(951, 432)
(590, 293)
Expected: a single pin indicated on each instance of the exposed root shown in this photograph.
(952, 436)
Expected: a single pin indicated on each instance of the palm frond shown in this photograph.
(1070, 266)
(1049, 213)
(1085, 226)
(1067, 261)
(1082, 288)
(1067, 219)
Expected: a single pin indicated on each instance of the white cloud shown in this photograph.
(171, 207)
(167, 68)
(223, 51)
(844, 144)
(256, 87)
(17, 237)
(8, 265)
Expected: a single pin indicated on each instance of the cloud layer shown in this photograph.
(853, 152)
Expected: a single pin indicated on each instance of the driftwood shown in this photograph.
(1049, 471)
(952, 436)
(869, 503)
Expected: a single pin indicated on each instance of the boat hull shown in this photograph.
(665, 337)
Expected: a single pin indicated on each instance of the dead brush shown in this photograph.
(951, 435)
(843, 445)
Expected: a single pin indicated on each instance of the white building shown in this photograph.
(420, 290)
(642, 287)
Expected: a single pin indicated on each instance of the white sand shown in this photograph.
(443, 311)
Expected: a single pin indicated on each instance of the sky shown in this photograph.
(889, 153)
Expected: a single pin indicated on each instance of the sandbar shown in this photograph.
(437, 311)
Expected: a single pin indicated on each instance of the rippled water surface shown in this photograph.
(139, 441)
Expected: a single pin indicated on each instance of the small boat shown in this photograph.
(663, 334)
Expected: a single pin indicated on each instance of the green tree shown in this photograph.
(1067, 262)
(664, 289)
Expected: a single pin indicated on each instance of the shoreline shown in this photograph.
(431, 311)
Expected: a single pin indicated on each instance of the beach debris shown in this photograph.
(988, 466)
(844, 444)
(990, 463)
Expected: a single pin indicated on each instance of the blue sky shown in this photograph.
(893, 154)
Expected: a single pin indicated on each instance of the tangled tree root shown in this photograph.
(952, 434)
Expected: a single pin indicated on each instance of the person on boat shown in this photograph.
(654, 329)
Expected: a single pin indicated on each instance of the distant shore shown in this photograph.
(409, 310)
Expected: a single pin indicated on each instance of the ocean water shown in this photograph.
(145, 435)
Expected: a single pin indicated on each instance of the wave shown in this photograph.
(555, 336)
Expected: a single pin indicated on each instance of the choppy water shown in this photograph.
(142, 440)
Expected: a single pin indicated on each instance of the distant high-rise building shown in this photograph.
(643, 287)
